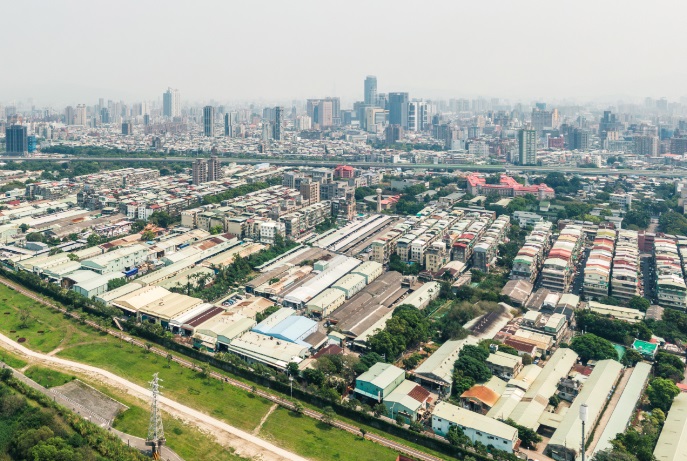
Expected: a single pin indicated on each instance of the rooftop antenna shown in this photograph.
(156, 433)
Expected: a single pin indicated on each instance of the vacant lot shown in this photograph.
(47, 377)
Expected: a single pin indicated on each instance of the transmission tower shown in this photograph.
(156, 433)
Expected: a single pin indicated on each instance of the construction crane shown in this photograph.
(156, 433)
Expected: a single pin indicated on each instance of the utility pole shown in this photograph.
(583, 418)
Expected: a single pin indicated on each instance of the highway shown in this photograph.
(331, 164)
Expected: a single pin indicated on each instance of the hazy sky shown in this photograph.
(67, 52)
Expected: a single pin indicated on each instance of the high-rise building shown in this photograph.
(104, 115)
(527, 147)
(322, 111)
(127, 128)
(418, 116)
(310, 190)
(16, 142)
(646, 145)
(393, 133)
(398, 109)
(209, 121)
(542, 120)
(231, 124)
(171, 103)
(579, 139)
(69, 115)
(80, 117)
(278, 120)
(200, 171)
(214, 169)
(371, 90)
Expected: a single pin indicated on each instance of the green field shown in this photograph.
(314, 439)
(11, 359)
(47, 377)
(239, 408)
(43, 329)
(187, 441)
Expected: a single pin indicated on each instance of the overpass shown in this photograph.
(332, 164)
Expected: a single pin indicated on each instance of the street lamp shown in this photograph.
(291, 384)
(583, 418)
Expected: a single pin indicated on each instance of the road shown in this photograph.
(189, 412)
(332, 164)
(131, 440)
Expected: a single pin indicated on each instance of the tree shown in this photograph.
(416, 426)
(528, 437)
(380, 410)
(72, 257)
(298, 407)
(669, 366)
(35, 237)
(214, 230)
(116, 283)
(457, 437)
(362, 432)
(473, 368)
(328, 415)
(661, 393)
(639, 303)
(93, 240)
(400, 420)
(5, 374)
(148, 235)
(631, 357)
(292, 369)
(23, 228)
(592, 347)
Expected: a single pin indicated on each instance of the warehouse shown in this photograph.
(192, 276)
(331, 270)
(276, 286)
(164, 309)
(326, 302)
(625, 408)
(621, 313)
(379, 381)
(565, 443)
(408, 400)
(436, 373)
(256, 348)
(216, 333)
(118, 260)
(478, 428)
(672, 443)
(81, 276)
(424, 295)
(96, 285)
(110, 296)
(56, 273)
(164, 273)
(514, 392)
(366, 308)
(294, 329)
(274, 319)
(528, 411)
(370, 270)
(480, 398)
(265, 278)
(177, 322)
(350, 284)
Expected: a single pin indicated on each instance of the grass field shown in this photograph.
(43, 329)
(12, 360)
(186, 441)
(47, 377)
(239, 408)
(313, 439)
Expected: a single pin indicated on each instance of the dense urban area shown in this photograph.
(401, 279)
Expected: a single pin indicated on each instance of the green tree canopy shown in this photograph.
(592, 347)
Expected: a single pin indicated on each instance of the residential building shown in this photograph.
(171, 103)
(527, 147)
(209, 121)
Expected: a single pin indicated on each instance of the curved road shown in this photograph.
(401, 448)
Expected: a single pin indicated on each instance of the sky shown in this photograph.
(69, 52)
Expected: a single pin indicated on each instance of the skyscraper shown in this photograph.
(418, 116)
(171, 103)
(200, 171)
(277, 127)
(80, 117)
(209, 121)
(16, 142)
(527, 147)
(214, 171)
(398, 109)
(371, 90)
(69, 115)
(231, 122)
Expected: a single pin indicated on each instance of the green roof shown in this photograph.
(644, 347)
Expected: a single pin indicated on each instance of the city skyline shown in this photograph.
(543, 51)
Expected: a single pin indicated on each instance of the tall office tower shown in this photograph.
(542, 120)
(171, 103)
(127, 128)
(278, 120)
(527, 147)
(371, 90)
(336, 110)
(69, 115)
(200, 171)
(303, 122)
(146, 119)
(16, 142)
(209, 121)
(80, 117)
(398, 109)
(418, 116)
(101, 103)
(579, 139)
(214, 169)
(322, 112)
(231, 124)
(646, 145)
(266, 130)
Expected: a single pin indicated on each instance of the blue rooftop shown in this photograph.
(292, 329)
